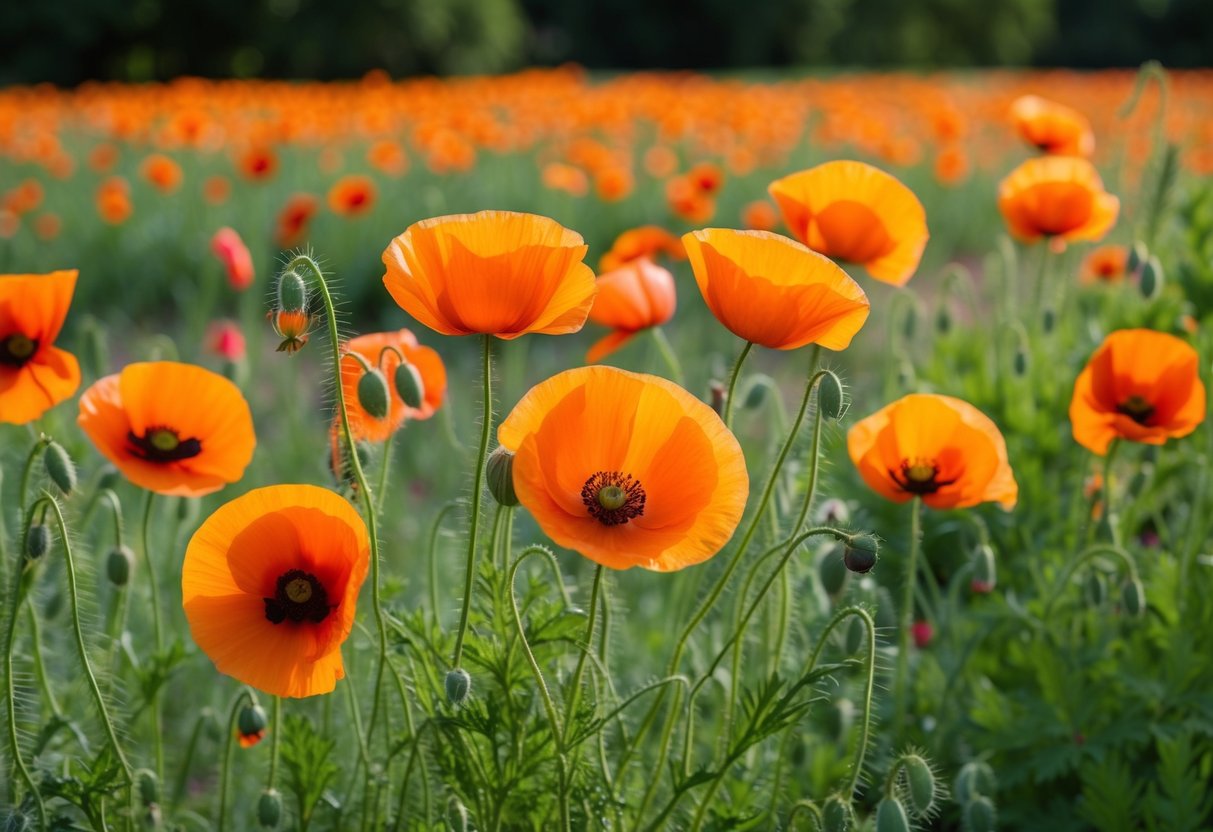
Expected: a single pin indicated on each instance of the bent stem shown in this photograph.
(728, 396)
(245, 694)
(907, 616)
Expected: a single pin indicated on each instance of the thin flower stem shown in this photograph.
(907, 616)
(384, 465)
(1106, 490)
(668, 355)
(245, 694)
(19, 589)
(433, 558)
(869, 684)
(35, 633)
(39, 445)
(575, 688)
(728, 396)
(187, 761)
(809, 808)
(1042, 275)
(275, 741)
(477, 487)
(157, 629)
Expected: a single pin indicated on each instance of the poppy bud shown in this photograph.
(985, 570)
(250, 725)
(118, 565)
(832, 571)
(37, 541)
(1151, 279)
(1020, 362)
(1048, 320)
(978, 815)
(836, 814)
(756, 392)
(861, 554)
(409, 385)
(830, 397)
(975, 779)
(499, 471)
(1133, 597)
(292, 292)
(109, 478)
(922, 789)
(943, 319)
(1138, 255)
(1095, 589)
(457, 815)
(458, 685)
(59, 467)
(909, 324)
(373, 393)
(891, 816)
(149, 786)
(269, 808)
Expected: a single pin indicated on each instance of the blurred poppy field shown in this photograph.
(560, 450)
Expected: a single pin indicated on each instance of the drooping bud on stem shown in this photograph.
(985, 570)
(920, 780)
(37, 541)
(59, 467)
(891, 816)
(269, 809)
(118, 565)
(458, 685)
(862, 552)
(292, 291)
(830, 397)
(499, 470)
(836, 814)
(1151, 278)
(409, 385)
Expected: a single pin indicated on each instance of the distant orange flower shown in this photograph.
(1059, 197)
(294, 219)
(759, 215)
(1051, 127)
(1140, 385)
(951, 165)
(216, 189)
(23, 198)
(162, 172)
(855, 212)
(103, 157)
(558, 176)
(258, 163)
(35, 375)
(660, 161)
(646, 241)
(388, 156)
(235, 257)
(613, 183)
(270, 587)
(352, 196)
(47, 226)
(688, 202)
(172, 428)
(374, 347)
(938, 448)
(773, 291)
(707, 178)
(114, 200)
(638, 295)
(627, 469)
(495, 273)
(1106, 264)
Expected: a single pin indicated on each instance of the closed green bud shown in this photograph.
(985, 569)
(37, 541)
(832, 571)
(1095, 589)
(458, 685)
(755, 391)
(1133, 597)
(978, 815)
(891, 816)
(373, 393)
(251, 720)
(1048, 320)
(943, 319)
(499, 471)
(118, 565)
(149, 786)
(922, 790)
(975, 779)
(1138, 255)
(59, 468)
(909, 324)
(862, 552)
(269, 808)
(409, 385)
(292, 292)
(1020, 362)
(1151, 279)
(830, 397)
(109, 477)
(836, 814)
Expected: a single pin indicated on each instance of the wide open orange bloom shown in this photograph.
(1140, 385)
(644, 241)
(171, 428)
(855, 212)
(627, 469)
(494, 273)
(935, 447)
(35, 375)
(1106, 264)
(429, 366)
(773, 291)
(631, 298)
(1051, 127)
(270, 587)
(1056, 196)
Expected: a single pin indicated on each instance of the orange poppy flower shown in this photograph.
(216, 189)
(47, 226)
(1140, 385)
(935, 447)
(234, 255)
(294, 219)
(388, 156)
(1106, 264)
(171, 428)
(557, 176)
(951, 165)
(258, 163)
(855, 212)
(1051, 127)
(773, 291)
(632, 298)
(707, 178)
(644, 241)
(270, 587)
(114, 200)
(162, 172)
(496, 273)
(759, 216)
(352, 196)
(627, 469)
(372, 347)
(34, 374)
(1056, 196)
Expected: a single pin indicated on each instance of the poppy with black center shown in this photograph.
(34, 374)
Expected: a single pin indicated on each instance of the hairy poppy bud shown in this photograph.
(836, 814)
(840, 715)
(830, 397)
(292, 292)
(269, 808)
(891, 816)
(109, 477)
(1151, 279)
(149, 786)
(856, 636)
(985, 570)
(756, 392)
(922, 790)
(409, 385)
(59, 467)
(1133, 597)
(373, 393)
(1138, 255)
(250, 725)
(1020, 362)
(832, 571)
(118, 565)
(978, 815)
(458, 685)
(499, 471)
(861, 554)
(37, 541)
(975, 779)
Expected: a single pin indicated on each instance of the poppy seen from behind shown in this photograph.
(630, 299)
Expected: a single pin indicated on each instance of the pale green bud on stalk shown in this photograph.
(373, 393)
(1138, 255)
(1151, 279)
(755, 392)
(458, 686)
(251, 720)
(831, 570)
(1133, 597)
(118, 565)
(1095, 589)
(60, 468)
(891, 816)
(978, 815)
(409, 385)
(37, 541)
(499, 471)
(922, 790)
(269, 809)
(862, 552)
(836, 815)
(149, 786)
(975, 779)
(830, 397)
(292, 292)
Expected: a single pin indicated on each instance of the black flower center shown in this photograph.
(613, 498)
(17, 349)
(299, 596)
(1137, 409)
(919, 476)
(162, 445)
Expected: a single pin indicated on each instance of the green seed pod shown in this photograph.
(409, 385)
(251, 720)
(891, 816)
(118, 565)
(830, 397)
(269, 809)
(909, 324)
(1095, 589)
(978, 815)
(499, 471)
(836, 814)
(1151, 278)
(292, 292)
(921, 780)
(373, 393)
(457, 815)
(832, 571)
(59, 468)
(755, 391)
(975, 779)
(458, 686)
(862, 552)
(1138, 255)
(985, 569)
(37, 541)
(1020, 361)
(149, 786)
(1133, 597)
(1048, 320)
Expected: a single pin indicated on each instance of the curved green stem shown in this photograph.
(1073, 564)
(44, 680)
(668, 355)
(728, 396)
(384, 466)
(39, 445)
(907, 616)
(810, 808)
(19, 590)
(244, 694)
(433, 558)
(575, 688)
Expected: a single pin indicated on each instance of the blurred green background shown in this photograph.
(70, 41)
